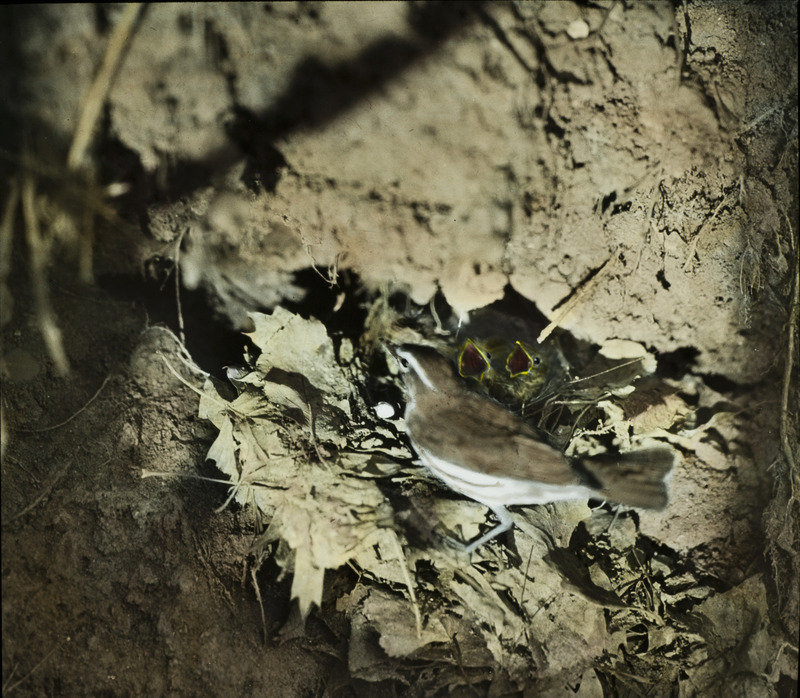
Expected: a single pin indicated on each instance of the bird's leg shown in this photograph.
(617, 510)
(504, 522)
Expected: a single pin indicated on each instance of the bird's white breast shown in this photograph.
(494, 490)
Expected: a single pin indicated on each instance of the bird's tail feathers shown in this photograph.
(634, 479)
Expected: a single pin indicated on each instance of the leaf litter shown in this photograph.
(582, 595)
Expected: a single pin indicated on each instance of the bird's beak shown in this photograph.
(389, 349)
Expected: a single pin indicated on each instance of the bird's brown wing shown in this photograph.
(479, 434)
(536, 460)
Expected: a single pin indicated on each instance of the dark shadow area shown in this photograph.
(674, 364)
(318, 93)
(341, 306)
(209, 339)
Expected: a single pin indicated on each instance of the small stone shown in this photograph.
(578, 29)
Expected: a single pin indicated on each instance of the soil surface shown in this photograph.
(625, 170)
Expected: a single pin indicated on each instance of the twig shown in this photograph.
(93, 101)
(401, 558)
(202, 555)
(234, 486)
(224, 404)
(7, 231)
(260, 600)
(86, 240)
(312, 432)
(460, 663)
(37, 259)
(439, 329)
(332, 279)
(580, 294)
(183, 353)
(607, 370)
(191, 476)
(185, 382)
(525, 581)
(763, 115)
(589, 405)
(45, 493)
(6, 238)
(693, 247)
(181, 334)
(40, 497)
(794, 310)
(14, 686)
(68, 419)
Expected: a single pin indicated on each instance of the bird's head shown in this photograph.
(424, 368)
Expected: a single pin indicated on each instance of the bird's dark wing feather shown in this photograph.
(479, 434)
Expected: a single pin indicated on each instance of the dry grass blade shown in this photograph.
(38, 255)
(580, 294)
(93, 102)
(401, 559)
(72, 416)
(10, 687)
(6, 236)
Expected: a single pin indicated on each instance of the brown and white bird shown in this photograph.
(483, 451)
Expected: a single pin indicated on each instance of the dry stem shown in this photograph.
(794, 310)
(93, 102)
(580, 294)
(37, 259)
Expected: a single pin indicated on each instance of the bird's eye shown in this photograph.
(537, 360)
(403, 362)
